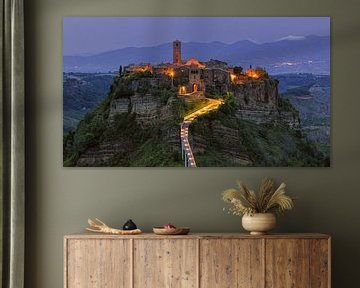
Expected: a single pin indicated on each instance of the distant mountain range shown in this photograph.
(310, 54)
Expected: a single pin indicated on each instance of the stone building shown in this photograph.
(177, 52)
(196, 76)
(192, 76)
(217, 79)
(142, 67)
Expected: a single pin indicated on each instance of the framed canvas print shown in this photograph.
(196, 91)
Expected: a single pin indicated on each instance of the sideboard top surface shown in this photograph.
(86, 235)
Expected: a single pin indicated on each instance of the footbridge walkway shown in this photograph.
(186, 150)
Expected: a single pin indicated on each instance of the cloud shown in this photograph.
(292, 38)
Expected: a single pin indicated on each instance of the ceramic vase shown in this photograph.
(259, 223)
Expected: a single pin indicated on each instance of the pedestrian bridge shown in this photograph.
(186, 150)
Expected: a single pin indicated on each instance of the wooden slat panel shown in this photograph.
(287, 263)
(319, 263)
(166, 263)
(198, 261)
(231, 263)
(98, 264)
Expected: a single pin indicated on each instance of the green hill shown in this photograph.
(146, 133)
(220, 139)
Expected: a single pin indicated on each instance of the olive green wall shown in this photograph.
(59, 200)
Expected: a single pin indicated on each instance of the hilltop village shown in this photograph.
(190, 113)
(255, 93)
(192, 76)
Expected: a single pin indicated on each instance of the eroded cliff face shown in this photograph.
(257, 95)
(119, 106)
(249, 129)
(148, 112)
(135, 126)
(228, 138)
(149, 109)
(258, 101)
(102, 154)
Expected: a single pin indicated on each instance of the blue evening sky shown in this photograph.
(83, 35)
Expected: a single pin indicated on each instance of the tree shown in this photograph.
(238, 70)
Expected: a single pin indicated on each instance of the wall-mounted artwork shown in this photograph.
(196, 91)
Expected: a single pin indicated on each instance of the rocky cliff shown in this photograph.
(132, 130)
(258, 101)
(222, 141)
(233, 152)
(254, 127)
(259, 132)
(149, 109)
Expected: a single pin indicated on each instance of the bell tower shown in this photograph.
(177, 52)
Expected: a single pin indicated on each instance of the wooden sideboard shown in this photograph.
(197, 260)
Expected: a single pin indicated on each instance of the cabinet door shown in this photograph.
(166, 263)
(231, 263)
(320, 263)
(287, 263)
(98, 263)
